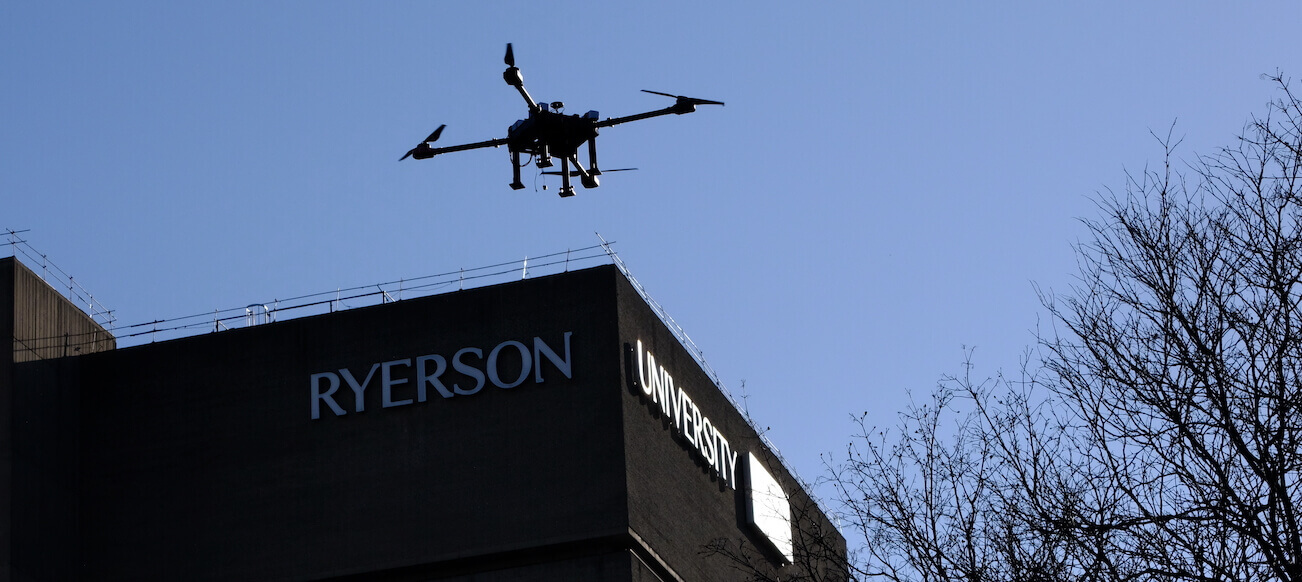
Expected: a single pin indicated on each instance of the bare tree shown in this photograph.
(1180, 358)
(1157, 432)
(978, 483)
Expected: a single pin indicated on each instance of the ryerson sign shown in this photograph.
(424, 372)
(658, 386)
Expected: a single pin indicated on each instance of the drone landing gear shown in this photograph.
(587, 178)
(592, 156)
(516, 184)
(566, 189)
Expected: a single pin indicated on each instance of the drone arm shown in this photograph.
(533, 107)
(492, 143)
(675, 109)
(515, 79)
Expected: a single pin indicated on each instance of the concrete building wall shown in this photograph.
(205, 463)
(39, 429)
(248, 454)
(45, 324)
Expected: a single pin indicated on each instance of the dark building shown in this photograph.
(547, 429)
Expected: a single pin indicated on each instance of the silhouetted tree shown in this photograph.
(1157, 432)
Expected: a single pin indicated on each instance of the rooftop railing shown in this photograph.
(57, 278)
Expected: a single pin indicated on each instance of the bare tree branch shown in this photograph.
(1156, 433)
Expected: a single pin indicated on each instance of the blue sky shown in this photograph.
(885, 185)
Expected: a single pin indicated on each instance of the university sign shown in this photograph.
(768, 509)
(657, 385)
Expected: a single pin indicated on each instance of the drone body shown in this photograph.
(548, 133)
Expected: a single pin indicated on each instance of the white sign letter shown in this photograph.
(459, 366)
(358, 389)
(327, 396)
(440, 365)
(524, 363)
(387, 383)
(641, 371)
(541, 349)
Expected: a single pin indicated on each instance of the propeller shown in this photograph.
(424, 145)
(685, 100)
(576, 173)
(510, 56)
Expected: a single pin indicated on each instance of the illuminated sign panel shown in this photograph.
(767, 507)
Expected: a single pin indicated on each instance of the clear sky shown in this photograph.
(886, 185)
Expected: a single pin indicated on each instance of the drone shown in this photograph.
(548, 133)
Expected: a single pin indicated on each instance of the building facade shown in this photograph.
(547, 429)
